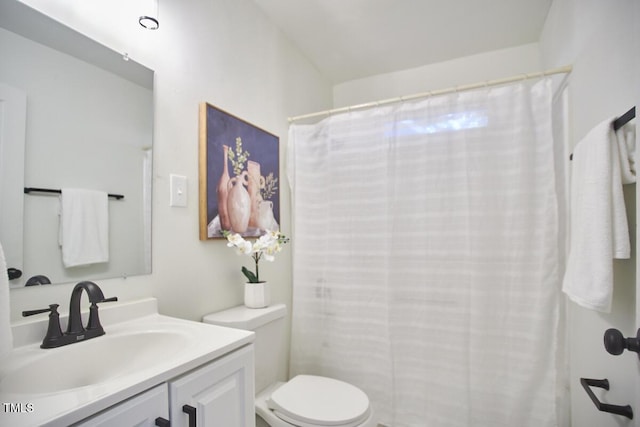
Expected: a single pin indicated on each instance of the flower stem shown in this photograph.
(256, 258)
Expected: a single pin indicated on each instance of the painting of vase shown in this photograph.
(239, 176)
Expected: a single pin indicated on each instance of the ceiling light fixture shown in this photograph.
(149, 19)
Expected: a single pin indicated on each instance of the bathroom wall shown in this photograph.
(469, 69)
(601, 41)
(224, 52)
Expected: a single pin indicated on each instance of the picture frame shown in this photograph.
(239, 176)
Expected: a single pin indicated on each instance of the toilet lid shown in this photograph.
(309, 400)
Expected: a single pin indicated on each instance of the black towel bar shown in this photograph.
(625, 410)
(28, 190)
(624, 119)
(620, 121)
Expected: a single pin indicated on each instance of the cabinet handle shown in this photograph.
(191, 411)
(163, 422)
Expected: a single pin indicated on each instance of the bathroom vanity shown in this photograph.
(147, 369)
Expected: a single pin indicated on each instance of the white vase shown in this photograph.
(256, 295)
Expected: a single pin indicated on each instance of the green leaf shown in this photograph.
(252, 277)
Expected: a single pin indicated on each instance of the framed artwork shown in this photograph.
(238, 176)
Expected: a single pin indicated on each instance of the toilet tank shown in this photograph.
(269, 344)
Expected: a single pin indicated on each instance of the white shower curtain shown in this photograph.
(426, 252)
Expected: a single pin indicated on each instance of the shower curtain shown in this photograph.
(426, 257)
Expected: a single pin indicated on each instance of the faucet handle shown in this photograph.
(54, 332)
(52, 308)
(94, 320)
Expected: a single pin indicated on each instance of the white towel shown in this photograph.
(626, 141)
(599, 229)
(6, 338)
(84, 227)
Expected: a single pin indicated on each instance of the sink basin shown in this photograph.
(92, 362)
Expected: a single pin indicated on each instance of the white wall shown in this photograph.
(600, 39)
(224, 52)
(467, 70)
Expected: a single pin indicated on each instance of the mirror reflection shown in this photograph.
(81, 115)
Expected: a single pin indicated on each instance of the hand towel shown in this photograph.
(622, 157)
(84, 227)
(626, 144)
(599, 229)
(6, 337)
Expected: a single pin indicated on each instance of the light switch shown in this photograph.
(178, 190)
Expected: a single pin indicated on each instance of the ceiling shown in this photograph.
(351, 39)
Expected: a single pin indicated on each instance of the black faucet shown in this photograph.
(75, 331)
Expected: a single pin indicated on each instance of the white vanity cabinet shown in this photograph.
(220, 393)
(217, 394)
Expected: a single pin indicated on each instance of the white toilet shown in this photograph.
(303, 401)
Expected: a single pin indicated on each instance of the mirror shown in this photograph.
(85, 116)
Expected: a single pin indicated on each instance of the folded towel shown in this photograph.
(6, 338)
(599, 229)
(84, 227)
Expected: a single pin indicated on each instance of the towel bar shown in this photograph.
(624, 119)
(28, 190)
(625, 410)
(619, 122)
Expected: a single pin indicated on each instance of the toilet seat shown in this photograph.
(313, 401)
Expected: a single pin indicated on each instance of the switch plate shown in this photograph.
(178, 190)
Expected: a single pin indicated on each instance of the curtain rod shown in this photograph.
(561, 70)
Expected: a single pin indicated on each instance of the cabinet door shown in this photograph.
(221, 393)
(140, 411)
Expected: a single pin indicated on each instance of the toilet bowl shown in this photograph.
(303, 401)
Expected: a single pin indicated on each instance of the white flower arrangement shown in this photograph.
(265, 246)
